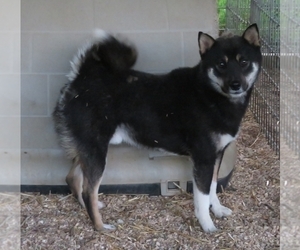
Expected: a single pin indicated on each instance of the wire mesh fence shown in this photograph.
(265, 98)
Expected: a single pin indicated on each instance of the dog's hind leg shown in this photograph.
(216, 207)
(92, 167)
(74, 180)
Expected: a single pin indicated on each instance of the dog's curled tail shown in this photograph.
(104, 50)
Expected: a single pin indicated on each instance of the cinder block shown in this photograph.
(191, 48)
(56, 82)
(157, 51)
(192, 14)
(9, 133)
(34, 95)
(57, 15)
(130, 15)
(10, 15)
(6, 52)
(26, 52)
(10, 165)
(44, 167)
(53, 51)
(10, 95)
(38, 133)
(17, 53)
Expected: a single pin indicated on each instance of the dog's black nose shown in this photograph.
(235, 85)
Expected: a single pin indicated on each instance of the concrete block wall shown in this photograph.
(9, 92)
(164, 32)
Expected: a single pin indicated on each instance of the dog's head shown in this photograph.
(232, 63)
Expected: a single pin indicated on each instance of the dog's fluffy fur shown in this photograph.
(189, 111)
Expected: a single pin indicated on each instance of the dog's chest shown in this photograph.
(222, 140)
(122, 134)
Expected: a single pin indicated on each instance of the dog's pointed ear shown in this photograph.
(251, 35)
(205, 42)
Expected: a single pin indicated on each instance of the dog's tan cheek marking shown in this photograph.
(238, 57)
(226, 59)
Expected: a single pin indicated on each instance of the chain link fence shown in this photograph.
(265, 98)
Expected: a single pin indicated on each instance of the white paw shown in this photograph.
(201, 202)
(221, 211)
(100, 205)
(205, 221)
(208, 226)
(109, 227)
(210, 229)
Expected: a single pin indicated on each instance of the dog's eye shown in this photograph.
(221, 65)
(244, 63)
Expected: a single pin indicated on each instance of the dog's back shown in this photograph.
(191, 111)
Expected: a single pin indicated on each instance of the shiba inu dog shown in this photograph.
(190, 111)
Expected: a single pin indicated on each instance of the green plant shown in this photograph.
(222, 13)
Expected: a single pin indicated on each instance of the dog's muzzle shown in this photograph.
(235, 88)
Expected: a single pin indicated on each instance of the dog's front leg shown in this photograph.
(201, 202)
(203, 173)
(216, 207)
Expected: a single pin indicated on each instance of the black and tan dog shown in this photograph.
(189, 111)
